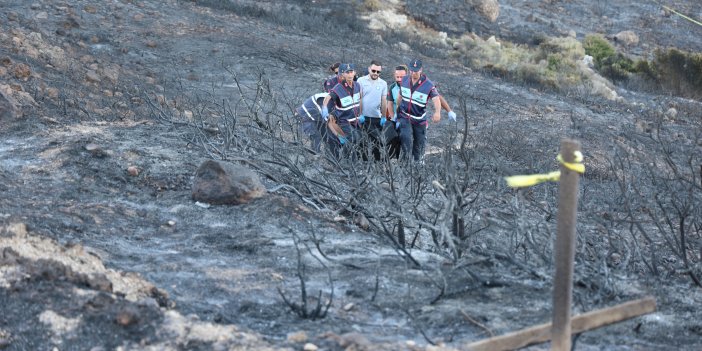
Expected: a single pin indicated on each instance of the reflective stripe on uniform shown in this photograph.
(308, 112)
(416, 98)
(416, 117)
(349, 102)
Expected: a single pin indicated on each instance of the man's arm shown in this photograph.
(444, 104)
(437, 108)
(325, 105)
(383, 104)
(399, 99)
(360, 103)
(388, 109)
(326, 101)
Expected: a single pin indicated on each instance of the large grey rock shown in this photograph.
(627, 38)
(223, 183)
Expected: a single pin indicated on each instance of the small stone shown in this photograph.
(171, 223)
(201, 204)
(92, 147)
(349, 306)
(133, 171)
(361, 221)
(90, 9)
(310, 347)
(339, 219)
(298, 337)
(671, 113)
(52, 93)
(92, 76)
(21, 71)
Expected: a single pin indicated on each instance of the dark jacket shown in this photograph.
(415, 98)
(347, 99)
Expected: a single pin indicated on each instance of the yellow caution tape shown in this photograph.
(521, 181)
(683, 16)
(576, 166)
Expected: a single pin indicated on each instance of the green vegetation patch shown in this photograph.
(552, 64)
(678, 71)
(608, 61)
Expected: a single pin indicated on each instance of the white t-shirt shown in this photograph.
(373, 92)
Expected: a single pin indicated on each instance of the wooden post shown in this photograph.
(565, 249)
(581, 323)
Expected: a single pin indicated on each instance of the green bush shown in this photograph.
(598, 47)
(679, 71)
(617, 67)
(646, 69)
(608, 61)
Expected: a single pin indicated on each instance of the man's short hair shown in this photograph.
(376, 63)
(401, 68)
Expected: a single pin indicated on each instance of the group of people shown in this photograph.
(363, 111)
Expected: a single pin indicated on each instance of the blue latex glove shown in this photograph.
(452, 115)
(361, 119)
(397, 124)
(342, 139)
(382, 121)
(325, 113)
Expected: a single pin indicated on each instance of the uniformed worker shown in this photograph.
(346, 97)
(416, 90)
(334, 79)
(311, 121)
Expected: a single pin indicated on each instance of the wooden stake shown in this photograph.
(565, 249)
(581, 323)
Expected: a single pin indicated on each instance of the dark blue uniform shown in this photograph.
(412, 114)
(347, 100)
(311, 121)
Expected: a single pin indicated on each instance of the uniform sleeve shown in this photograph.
(433, 92)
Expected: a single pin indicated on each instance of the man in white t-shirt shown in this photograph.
(375, 91)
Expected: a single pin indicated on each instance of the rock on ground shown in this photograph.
(222, 183)
(489, 9)
(627, 38)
